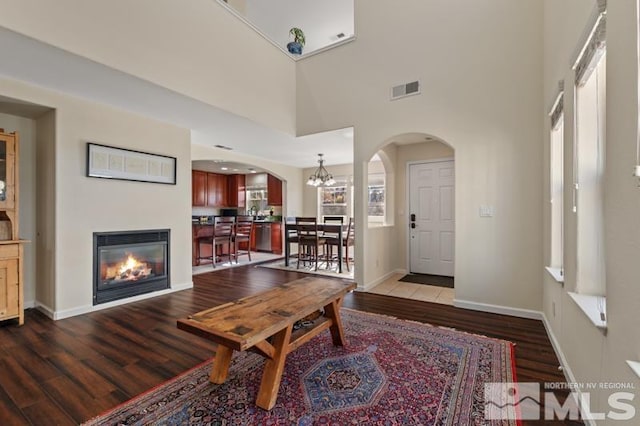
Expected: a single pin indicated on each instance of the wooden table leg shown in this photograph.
(273, 369)
(332, 311)
(221, 364)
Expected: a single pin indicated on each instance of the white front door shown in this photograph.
(431, 218)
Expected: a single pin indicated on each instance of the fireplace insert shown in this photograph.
(129, 263)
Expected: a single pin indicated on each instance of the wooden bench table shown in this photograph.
(263, 323)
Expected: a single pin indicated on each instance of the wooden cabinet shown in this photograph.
(198, 188)
(276, 237)
(10, 282)
(274, 191)
(209, 189)
(252, 243)
(217, 190)
(236, 191)
(11, 247)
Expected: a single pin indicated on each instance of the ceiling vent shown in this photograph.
(223, 147)
(404, 90)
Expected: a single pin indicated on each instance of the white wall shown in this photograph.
(198, 49)
(45, 243)
(85, 205)
(592, 355)
(481, 92)
(26, 129)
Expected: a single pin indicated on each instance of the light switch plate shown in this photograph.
(486, 211)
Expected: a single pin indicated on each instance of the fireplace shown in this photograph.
(129, 263)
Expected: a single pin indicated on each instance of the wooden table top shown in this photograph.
(241, 324)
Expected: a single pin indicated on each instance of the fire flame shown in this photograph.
(130, 265)
(131, 270)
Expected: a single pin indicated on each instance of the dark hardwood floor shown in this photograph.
(65, 372)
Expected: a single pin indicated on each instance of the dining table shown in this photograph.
(333, 229)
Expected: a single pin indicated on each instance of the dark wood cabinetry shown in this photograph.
(213, 190)
(198, 188)
(217, 190)
(276, 238)
(274, 191)
(236, 191)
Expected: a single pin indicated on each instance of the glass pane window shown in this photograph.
(333, 199)
(376, 202)
(590, 129)
(556, 191)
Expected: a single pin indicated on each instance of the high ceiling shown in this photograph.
(324, 22)
(43, 65)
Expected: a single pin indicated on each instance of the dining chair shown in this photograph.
(243, 234)
(309, 240)
(332, 239)
(223, 231)
(348, 241)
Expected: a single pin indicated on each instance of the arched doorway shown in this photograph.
(420, 184)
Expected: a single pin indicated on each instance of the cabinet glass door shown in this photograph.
(7, 161)
(3, 170)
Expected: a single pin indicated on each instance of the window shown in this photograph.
(590, 134)
(335, 200)
(556, 189)
(376, 190)
(588, 169)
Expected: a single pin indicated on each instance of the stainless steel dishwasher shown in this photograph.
(263, 236)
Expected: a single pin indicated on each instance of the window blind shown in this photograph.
(557, 109)
(593, 47)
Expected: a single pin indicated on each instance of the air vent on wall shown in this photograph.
(404, 90)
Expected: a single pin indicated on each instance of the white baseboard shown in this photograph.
(497, 309)
(28, 304)
(369, 286)
(566, 369)
(568, 374)
(45, 309)
(56, 315)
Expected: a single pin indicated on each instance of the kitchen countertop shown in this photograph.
(255, 221)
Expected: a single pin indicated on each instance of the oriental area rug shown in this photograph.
(392, 372)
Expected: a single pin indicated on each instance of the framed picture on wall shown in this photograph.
(109, 162)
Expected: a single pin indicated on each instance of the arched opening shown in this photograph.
(419, 218)
(238, 192)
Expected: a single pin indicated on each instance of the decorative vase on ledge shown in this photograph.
(295, 47)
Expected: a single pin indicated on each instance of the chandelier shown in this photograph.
(321, 177)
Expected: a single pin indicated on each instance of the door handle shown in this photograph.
(412, 218)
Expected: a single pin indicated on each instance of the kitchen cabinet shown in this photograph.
(209, 189)
(236, 191)
(274, 191)
(267, 237)
(217, 190)
(198, 188)
(252, 243)
(276, 238)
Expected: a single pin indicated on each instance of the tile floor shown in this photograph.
(390, 287)
(425, 293)
(242, 260)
